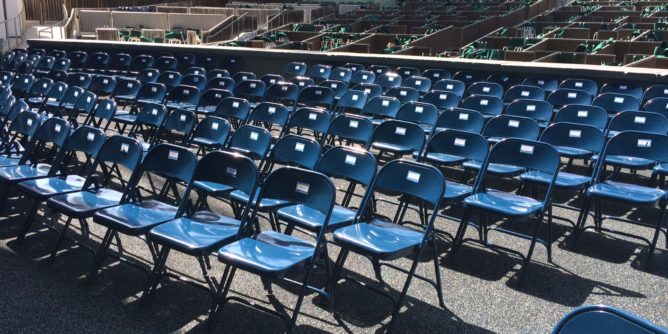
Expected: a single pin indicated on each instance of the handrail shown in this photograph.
(60, 23)
(208, 37)
(266, 24)
(18, 30)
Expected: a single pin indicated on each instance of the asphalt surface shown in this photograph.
(480, 286)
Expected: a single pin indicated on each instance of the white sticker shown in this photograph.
(413, 176)
(214, 126)
(419, 109)
(355, 97)
(390, 79)
(351, 159)
(150, 74)
(105, 81)
(233, 61)
(154, 111)
(29, 122)
(403, 93)
(513, 123)
(44, 85)
(541, 82)
(353, 124)
(464, 116)
(322, 70)
(400, 131)
(623, 87)
(334, 85)
(76, 94)
(154, 89)
(88, 98)
(418, 82)
(639, 119)
(484, 102)
(173, 155)
(26, 80)
(90, 136)
(461, 142)
(449, 86)
(486, 89)
(313, 116)
(252, 85)
(235, 104)
(364, 77)
(368, 91)
(302, 188)
(57, 128)
(186, 92)
(182, 118)
(468, 76)
(572, 95)
(244, 77)
(645, 143)
(299, 147)
(171, 76)
(271, 110)
(575, 133)
(125, 148)
(130, 85)
(443, 96)
(284, 88)
(527, 149)
(619, 99)
(578, 84)
(108, 107)
(665, 92)
(217, 95)
(583, 113)
(436, 75)
(666, 105)
(342, 74)
(301, 84)
(318, 92)
(231, 171)
(296, 67)
(253, 135)
(524, 93)
(272, 81)
(385, 103)
(531, 107)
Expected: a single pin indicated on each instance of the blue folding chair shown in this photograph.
(309, 120)
(136, 215)
(486, 89)
(316, 96)
(510, 126)
(539, 111)
(354, 67)
(565, 97)
(103, 85)
(243, 76)
(362, 77)
(546, 83)
(468, 77)
(177, 128)
(380, 239)
(380, 108)
(182, 97)
(348, 129)
(295, 69)
(406, 71)
(587, 85)
(338, 87)
(524, 92)
(460, 119)
(616, 102)
(341, 74)
(210, 134)
(623, 88)
(397, 138)
(22, 129)
(251, 90)
(270, 79)
(403, 94)
(657, 105)
(525, 154)
(233, 109)
(488, 106)
(606, 189)
(272, 116)
(436, 74)
(638, 121)
(370, 89)
(582, 114)
(419, 83)
(420, 113)
(655, 91)
(603, 319)
(225, 83)
(352, 101)
(320, 72)
(441, 99)
(204, 232)
(379, 69)
(209, 100)
(282, 92)
(251, 141)
(302, 82)
(388, 80)
(504, 79)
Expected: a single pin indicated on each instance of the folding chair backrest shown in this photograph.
(370, 89)
(524, 92)
(230, 169)
(127, 87)
(583, 114)
(655, 91)
(41, 86)
(419, 113)
(486, 105)
(295, 69)
(383, 106)
(540, 111)
(581, 136)
(635, 144)
(403, 94)
(103, 84)
(234, 108)
(616, 102)
(152, 91)
(546, 83)
(217, 73)
(564, 97)
(341, 74)
(54, 130)
(379, 69)
(442, 99)
(26, 123)
(86, 102)
(120, 150)
(296, 151)
(270, 79)
(148, 75)
(352, 128)
(242, 76)
(105, 109)
(587, 85)
(388, 80)
(461, 119)
(468, 77)
(252, 140)
(623, 88)
(657, 105)
(314, 119)
(486, 89)
(82, 80)
(181, 120)
(169, 79)
(419, 181)
(338, 87)
(282, 92)
(250, 89)
(212, 128)
(362, 76)
(195, 70)
(436, 74)
(87, 140)
(458, 143)
(152, 114)
(406, 72)
(419, 83)
(508, 126)
(141, 62)
(639, 121)
(226, 83)
(195, 80)
(320, 71)
(406, 134)
(316, 96)
(351, 164)
(170, 161)
(303, 82)
(272, 113)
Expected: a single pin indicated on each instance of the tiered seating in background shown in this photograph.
(130, 141)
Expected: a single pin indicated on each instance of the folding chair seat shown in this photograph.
(486, 89)
(225, 83)
(623, 88)
(539, 111)
(608, 188)
(272, 255)
(170, 79)
(460, 119)
(655, 91)
(379, 239)
(103, 86)
(148, 75)
(211, 133)
(251, 90)
(209, 100)
(295, 69)
(362, 77)
(606, 319)
(420, 113)
(303, 82)
(341, 74)
(351, 101)
(524, 92)
(233, 109)
(45, 65)
(272, 116)
(356, 167)
(196, 70)
(388, 80)
(615, 102)
(270, 79)
(338, 87)
(564, 97)
(204, 232)
(448, 85)
(38, 91)
(349, 129)
(488, 106)
(548, 84)
(136, 216)
(165, 63)
(119, 64)
(380, 108)
(241, 76)
(96, 62)
(316, 96)
(441, 99)
(314, 120)
(282, 92)
(419, 83)
(371, 90)
(468, 77)
(208, 62)
(320, 72)
(22, 84)
(587, 85)
(105, 110)
(183, 97)
(524, 154)
(251, 141)
(583, 114)
(398, 138)
(185, 61)
(403, 94)
(77, 60)
(82, 80)
(354, 67)
(195, 80)
(505, 80)
(657, 105)
(61, 64)
(510, 126)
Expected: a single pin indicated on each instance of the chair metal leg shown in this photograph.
(652, 246)
(61, 237)
(155, 276)
(219, 299)
(459, 237)
(302, 292)
(549, 233)
(404, 291)
(100, 254)
(527, 259)
(437, 272)
(330, 281)
(27, 223)
(582, 220)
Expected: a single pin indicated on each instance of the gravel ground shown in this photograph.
(480, 286)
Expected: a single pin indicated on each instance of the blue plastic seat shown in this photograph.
(316, 96)
(182, 97)
(354, 67)
(582, 114)
(450, 85)
(96, 62)
(441, 99)
(147, 75)
(170, 79)
(282, 92)
(21, 85)
(397, 138)
(587, 85)
(78, 59)
(295, 69)
(177, 128)
(486, 89)
(195, 80)
(419, 83)
(388, 80)
(606, 189)
(104, 112)
(185, 61)
(460, 119)
(225, 83)
(379, 239)
(38, 91)
(638, 121)
(103, 85)
(616, 102)
(303, 82)
(362, 77)
(320, 72)
(524, 92)
(338, 87)
(251, 90)
(600, 319)
(126, 91)
(209, 62)
(526, 154)
(403, 94)
(118, 64)
(272, 255)
(341, 74)
(564, 97)
(243, 76)
(539, 111)
(235, 110)
(153, 93)
(165, 63)
(140, 62)
(488, 106)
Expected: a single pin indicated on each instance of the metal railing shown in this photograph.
(58, 25)
(230, 25)
(17, 23)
